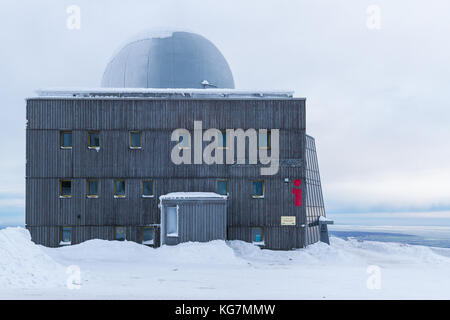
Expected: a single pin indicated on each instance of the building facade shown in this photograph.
(98, 161)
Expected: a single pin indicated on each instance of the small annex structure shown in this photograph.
(99, 165)
(192, 216)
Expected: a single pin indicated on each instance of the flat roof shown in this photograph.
(192, 196)
(156, 93)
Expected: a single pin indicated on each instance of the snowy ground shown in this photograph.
(221, 270)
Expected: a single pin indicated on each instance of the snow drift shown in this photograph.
(189, 253)
(221, 270)
(23, 264)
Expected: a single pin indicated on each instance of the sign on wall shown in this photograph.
(288, 220)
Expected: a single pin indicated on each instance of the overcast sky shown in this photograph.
(377, 99)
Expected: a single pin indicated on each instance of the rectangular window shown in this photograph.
(184, 141)
(172, 221)
(258, 189)
(92, 188)
(147, 235)
(94, 140)
(147, 188)
(258, 235)
(222, 187)
(135, 139)
(65, 188)
(120, 233)
(264, 139)
(65, 139)
(223, 142)
(119, 188)
(66, 235)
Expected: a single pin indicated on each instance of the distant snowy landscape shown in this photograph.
(347, 269)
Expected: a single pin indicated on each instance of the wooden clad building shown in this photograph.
(100, 155)
(98, 160)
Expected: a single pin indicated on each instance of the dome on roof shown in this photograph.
(168, 59)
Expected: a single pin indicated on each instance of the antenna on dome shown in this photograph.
(206, 84)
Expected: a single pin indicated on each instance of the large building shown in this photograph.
(100, 160)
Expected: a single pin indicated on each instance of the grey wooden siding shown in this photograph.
(198, 220)
(47, 163)
(276, 237)
(50, 235)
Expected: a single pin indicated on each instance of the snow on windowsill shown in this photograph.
(144, 196)
(258, 243)
(92, 197)
(135, 148)
(258, 197)
(65, 197)
(148, 243)
(62, 243)
(172, 234)
(119, 197)
(94, 148)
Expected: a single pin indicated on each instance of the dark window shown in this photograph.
(264, 139)
(147, 235)
(120, 233)
(66, 234)
(222, 187)
(65, 189)
(258, 188)
(66, 139)
(94, 140)
(257, 234)
(135, 139)
(147, 188)
(92, 188)
(119, 188)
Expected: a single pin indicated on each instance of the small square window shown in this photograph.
(258, 189)
(66, 139)
(119, 188)
(65, 188)
(257, 235)
(147, 188)
(147, 235)
(92, 188)
(94, 140)
(135, 139)
(184, 141)
(66, 235)
(120, 233)
(264, 139)
(222, 187)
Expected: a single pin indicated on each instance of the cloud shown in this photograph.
(377, 101)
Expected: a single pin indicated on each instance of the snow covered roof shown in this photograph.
(192, 196)
(157, 93)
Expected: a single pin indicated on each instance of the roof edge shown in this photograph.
(162, 93)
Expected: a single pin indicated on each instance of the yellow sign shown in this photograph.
(288, 220)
